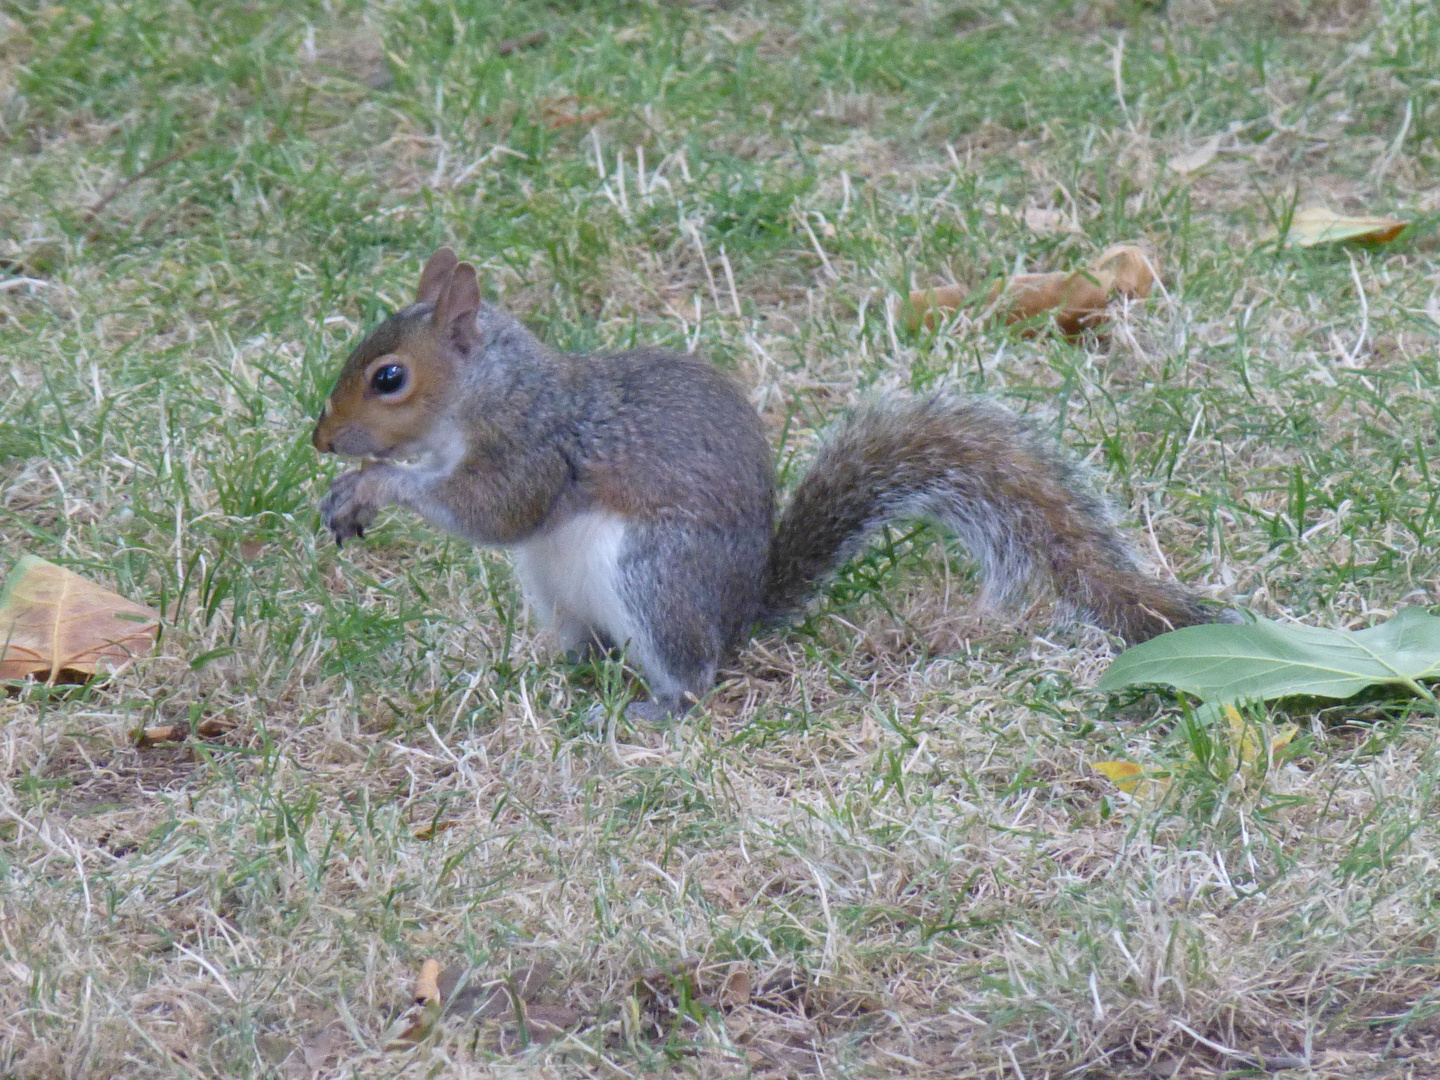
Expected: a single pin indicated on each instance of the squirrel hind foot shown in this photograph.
(657, 710)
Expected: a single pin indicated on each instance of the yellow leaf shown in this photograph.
(57, 625)
(1124, 774)
(1282, 737)
(1319, 225)
(1241, 735)
(1244, 736)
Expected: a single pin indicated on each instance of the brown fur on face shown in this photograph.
(359, 421)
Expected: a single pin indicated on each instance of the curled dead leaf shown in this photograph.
(1077, 300)
(56, 624)
(422, 1017)
(1249, 742)
(431, 829)
(419, 1021)
(427, 983)
(1316, 225)
(212, 727)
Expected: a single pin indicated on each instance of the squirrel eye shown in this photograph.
(389, 379)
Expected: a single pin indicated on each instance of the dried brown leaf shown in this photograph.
(427, 983)
(490, 998)
(542, 1024)
(56, 624)
(736, 989)
(317, 1047)
(430, 829)
(1318, 225)
(1078, 300)
(212, 727)
(420, 1020)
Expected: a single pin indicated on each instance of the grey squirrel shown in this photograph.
(636, 495)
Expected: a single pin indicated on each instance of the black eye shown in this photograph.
(389, 379)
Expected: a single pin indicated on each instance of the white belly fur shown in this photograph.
(570, 576)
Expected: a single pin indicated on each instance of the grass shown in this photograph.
(885, 817)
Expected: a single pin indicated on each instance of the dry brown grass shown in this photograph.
(879, 849)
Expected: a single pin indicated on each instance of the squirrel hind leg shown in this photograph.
(677, 672)
(685, 592)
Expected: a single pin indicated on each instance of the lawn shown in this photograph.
(879, 849)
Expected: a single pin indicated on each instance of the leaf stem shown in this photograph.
(1424, 691)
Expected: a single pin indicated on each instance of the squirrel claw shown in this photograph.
(348, 508)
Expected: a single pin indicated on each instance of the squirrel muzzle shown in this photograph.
(347, 440)
(320, 437)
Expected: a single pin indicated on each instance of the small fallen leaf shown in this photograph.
(55, 623)
(1284, 735)
(317, 1047)
(548, 1022)
(1196, 158)
(1247, 745)
(1319, 225)
(1078, 300)
(1124, 774)
(427, 983)
(536, 1024)
(1140, 784)
(431, 829)
(211, 727)
(420, 1020)
(490, 998)
(736, 989)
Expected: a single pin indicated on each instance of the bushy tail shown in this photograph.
(1011, 498)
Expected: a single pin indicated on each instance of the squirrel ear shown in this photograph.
(457, 305)
(432, 279)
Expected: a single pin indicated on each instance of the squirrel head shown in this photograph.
(397, 381)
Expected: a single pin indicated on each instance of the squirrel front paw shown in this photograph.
(350, 506)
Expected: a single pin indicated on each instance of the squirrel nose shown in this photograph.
(321, 438)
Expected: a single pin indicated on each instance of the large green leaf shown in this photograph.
(1266, 660)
